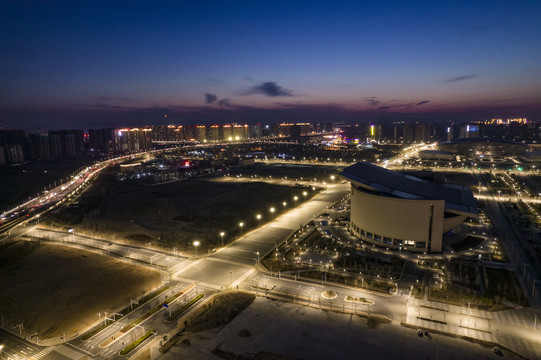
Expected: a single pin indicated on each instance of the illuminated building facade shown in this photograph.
(398, 211)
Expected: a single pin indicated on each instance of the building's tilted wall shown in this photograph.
(416, 225)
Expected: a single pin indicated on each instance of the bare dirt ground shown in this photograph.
(295, 332)
(53, 290)
(169, 214)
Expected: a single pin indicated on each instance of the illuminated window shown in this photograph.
(398, 242)
(409, 242)
(387, 240)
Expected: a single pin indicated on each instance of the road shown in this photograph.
(233, 266)
(228, 265)
(108, 343)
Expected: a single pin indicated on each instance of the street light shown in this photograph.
(241, 224)
(284, 204)
(304, 193)
(272, 210)
(259, 219)
(295, 198)
(196, 244)
(332, 177)
(222, 235)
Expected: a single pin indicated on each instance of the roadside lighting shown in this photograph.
(196, 244)
(304, 193)
(271, 210)
(295, 198)
(284, 204)
(259, 219)
(241, 224)
(332, 177)
(222, 235)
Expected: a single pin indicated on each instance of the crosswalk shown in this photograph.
(42, 353)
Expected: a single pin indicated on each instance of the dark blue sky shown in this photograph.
(112, 63)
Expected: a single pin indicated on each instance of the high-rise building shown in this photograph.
(3, 159)
(15, 154)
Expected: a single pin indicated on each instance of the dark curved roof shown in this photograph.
(394, 184)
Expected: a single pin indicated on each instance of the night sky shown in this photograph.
(67, 64)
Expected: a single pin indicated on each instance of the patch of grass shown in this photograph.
(185, 307)
(136, 343)
(469, 242)
(503, 284)
(222, 310)
(359, 300)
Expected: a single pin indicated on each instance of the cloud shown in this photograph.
(422, 102)
(224, 102)
(210, 98)
(269, 88)
(372, 100)
(460, 78)
(214, 80)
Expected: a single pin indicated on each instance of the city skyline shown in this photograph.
(86, 65)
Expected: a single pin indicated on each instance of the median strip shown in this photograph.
(136, 343)
(184, 307)
(87, 335)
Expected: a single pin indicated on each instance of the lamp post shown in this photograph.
(271, 211)
(222, 235)
(304, 193)
(533, 286)
(259, 219)
(241, 224)
(332, 178)
(284, 205)
(196, 244)
(295, 198)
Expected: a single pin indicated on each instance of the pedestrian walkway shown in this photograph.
(513, 329)
(68, 352)
(42, 353)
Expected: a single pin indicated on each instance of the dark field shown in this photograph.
(173, 214)
(66, 297)
(292, 171)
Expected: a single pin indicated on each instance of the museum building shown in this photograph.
(401, 211)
